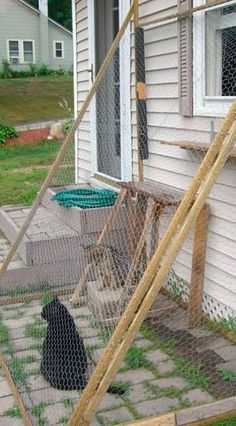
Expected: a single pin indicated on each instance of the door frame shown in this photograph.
(125, 94)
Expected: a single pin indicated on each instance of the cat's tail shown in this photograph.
(117, 390)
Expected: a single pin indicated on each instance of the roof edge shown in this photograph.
(24, 3)
(60, 26)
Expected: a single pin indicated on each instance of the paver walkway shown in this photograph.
(156, 374)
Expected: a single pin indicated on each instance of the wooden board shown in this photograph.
(195, 146)
(165, 420)
(198, 268)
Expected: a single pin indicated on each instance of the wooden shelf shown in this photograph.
(195, 146)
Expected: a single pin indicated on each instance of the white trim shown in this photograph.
(28, 6)
(91, 63)
(125, 118)
(59, 25)
(21, 51)
(62, 49)
(125, 97)
(215, 106)
(75, 85)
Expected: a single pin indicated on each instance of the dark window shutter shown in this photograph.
(185, 48)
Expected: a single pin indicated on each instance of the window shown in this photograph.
(58, 49)
(20, 51)
(214, 68)
(28, 51)
(14, 52)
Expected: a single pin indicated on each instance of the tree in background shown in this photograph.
(60, 11)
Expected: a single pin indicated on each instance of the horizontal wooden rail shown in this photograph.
(194, 146)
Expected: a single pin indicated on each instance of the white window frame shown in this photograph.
(203, 105)
(62, 49)
(21, 51)
(125, 118)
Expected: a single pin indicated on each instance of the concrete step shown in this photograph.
(57, 274)
(48, 239)
(84, 221)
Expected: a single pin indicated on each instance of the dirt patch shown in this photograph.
(30, 136)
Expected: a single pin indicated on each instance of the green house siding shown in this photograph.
(19, 22)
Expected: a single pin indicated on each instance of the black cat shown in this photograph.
(64, 361)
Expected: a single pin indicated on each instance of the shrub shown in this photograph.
(44, 70)
(6, 70)
(6, 132)
(33, 70)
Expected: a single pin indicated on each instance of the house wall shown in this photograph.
(82, 84)
(167, 164)
(21, 23)
(55, 34)
(175, 167)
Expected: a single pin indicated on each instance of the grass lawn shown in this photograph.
(23, 168)
(25, 100)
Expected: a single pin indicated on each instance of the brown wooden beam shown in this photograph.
(198, 267)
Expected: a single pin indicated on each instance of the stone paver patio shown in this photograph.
(158, 377)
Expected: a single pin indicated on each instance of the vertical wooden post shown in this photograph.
(131, 225)
(198, 267)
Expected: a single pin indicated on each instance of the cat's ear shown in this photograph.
(56, 300)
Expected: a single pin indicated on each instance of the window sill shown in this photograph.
(195, 146)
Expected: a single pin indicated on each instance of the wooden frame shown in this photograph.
(20, 403)
(198, 267)
(199, 415)
(152, 280)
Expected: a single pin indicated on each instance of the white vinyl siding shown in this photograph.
(175, 167)
(167, 164)
(83, 84)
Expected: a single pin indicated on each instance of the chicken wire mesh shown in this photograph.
(91, 248)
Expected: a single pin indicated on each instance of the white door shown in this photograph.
(110, 110)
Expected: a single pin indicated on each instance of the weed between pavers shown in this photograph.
(105, 422)
(35, 330)
(189, 371)
(4, 334)
(17, 368)
(38, 409)
(45, 300)
(131, 407)
(41, 287)
(104, 332)
(63, 420)
(136, 357)
(36, 346)
(228, 375)
(170, 392)
(67, 402)
(12, 412)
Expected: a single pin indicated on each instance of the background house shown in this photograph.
(189, 90)
(28, 35)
